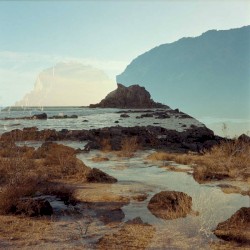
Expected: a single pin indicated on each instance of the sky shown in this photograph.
(36, 35)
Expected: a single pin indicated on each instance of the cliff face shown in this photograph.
(128, 97)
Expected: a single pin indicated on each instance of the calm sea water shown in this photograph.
(87, 119)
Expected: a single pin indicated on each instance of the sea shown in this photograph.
(88, 118)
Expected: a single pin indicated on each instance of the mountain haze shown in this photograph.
(207, 75)
(68, 84)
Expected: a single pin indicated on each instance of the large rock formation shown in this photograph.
(206, 75)
(128, 97)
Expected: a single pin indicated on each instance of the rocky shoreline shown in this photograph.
(194, 139)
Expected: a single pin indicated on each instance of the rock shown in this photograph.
(97, 176)
(85, 121)
(116, 121)
(64, 117)
(170, 205)
(136, 220)
(195, 139)
(133, 96)
(244, 138)
(42, 116)
(124, 115)
(236, 228)
(146, 115)
(32, 207)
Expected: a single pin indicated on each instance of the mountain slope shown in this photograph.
(207, 75)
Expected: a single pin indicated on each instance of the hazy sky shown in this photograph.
(106, 34)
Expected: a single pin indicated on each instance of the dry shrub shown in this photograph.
(29, 171)
(11, 193)
(179, 158)
(129, 146)
(59, 161)
(229, 159)
(106, 145)
(65, 193)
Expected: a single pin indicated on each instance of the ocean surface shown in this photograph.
(87, 119)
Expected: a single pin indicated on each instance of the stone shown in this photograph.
(170, 205)
(236, 228)
(97, 176)
(42, 116)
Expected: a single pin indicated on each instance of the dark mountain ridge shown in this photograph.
(207, 75)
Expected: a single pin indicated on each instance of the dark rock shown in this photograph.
(170, 205)
(146, 115)
(195, 139)
(124, 115)
(32, 207)
(236, 228)
(116, 121)
(42, 116)
(97, 176)
(63, 117)
(244, 138)
(136, 220)
(85, 120)
(128, 97)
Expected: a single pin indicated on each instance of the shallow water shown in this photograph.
(140, 177)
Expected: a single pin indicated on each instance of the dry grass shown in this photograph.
(106, 145)
(29, 171)
(129, 146)
(99, 159)
(229, 159)
(130, 236)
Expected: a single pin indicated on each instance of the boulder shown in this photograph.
(170, 205)
(124, 115)
(244, 138)
(42, 116)
(236, 228)
(97, 176)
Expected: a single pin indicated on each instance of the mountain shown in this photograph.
(128, 97)
(208, 75)
(68, 84)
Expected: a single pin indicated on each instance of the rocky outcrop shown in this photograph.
(236, 228)
(170, 205)
(193, 139)
(128, 97)
(97, 176)
(42, 116)
(244, 138)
